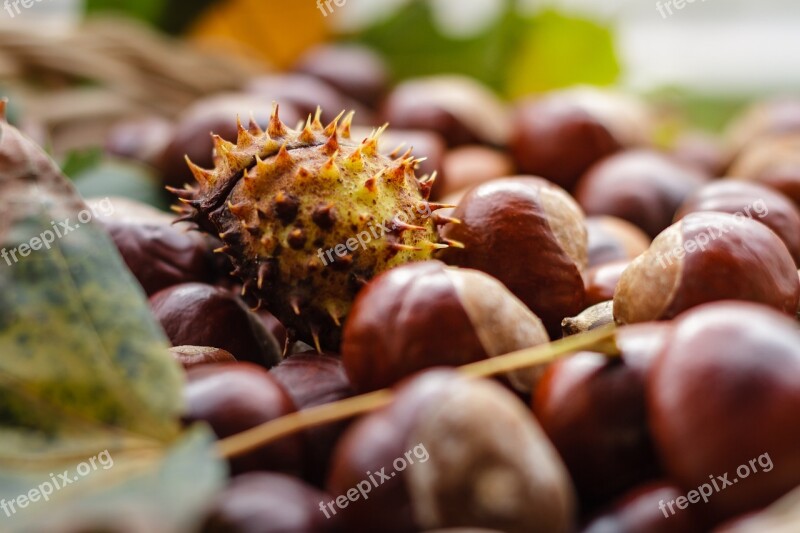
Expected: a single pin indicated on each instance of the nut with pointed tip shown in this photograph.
(464, 451)
(530, 235)
(706, 257)
(593, 317)
(427, 314)
(303, 202)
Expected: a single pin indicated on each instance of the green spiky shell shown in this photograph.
(280, 199)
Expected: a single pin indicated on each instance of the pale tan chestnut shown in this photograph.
(705, 257)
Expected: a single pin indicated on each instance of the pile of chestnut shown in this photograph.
(571, 218)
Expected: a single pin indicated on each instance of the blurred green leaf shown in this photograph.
(84, 367)
(149, 10)
(515, 54)
(111, 177)
(414, 46)
(79, 161)
(561, 50)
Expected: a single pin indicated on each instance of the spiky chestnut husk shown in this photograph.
(280, 199)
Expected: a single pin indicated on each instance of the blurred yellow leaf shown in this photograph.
(276, 30)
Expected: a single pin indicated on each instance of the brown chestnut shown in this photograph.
(460, 109)
(602, 281)
(644, 187)
(265, 502)
(355, 70)
(705, 257)
(530, 235)
(215, 114)
(141, 139)
(191, 356)
(425, 314)
(723, 398)
(644, 510)
(305, 94)
(761, 120)
(613, 239)
(313, 379)
(471, 165)
(234, 397)
(561, 135)
(160, 256)
(703, 152)
(593, 409)
(761, 203)
(450, 452)
(203, 315)
(774, 162)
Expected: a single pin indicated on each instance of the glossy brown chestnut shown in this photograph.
(305, 94)
(234, 397)
(141, 139)
(703, 152)
(774, 162)
(705, 257)
(460, 109)
(640, 512)
(613, 239)
(564, 133)
(471, 165)
(356, 71)
(202, 315)
(766, 205)
(191, 356)
(262, 502)
(530, 235)
(426, 314)
(215, 114)
(456, 452)
(313, 379)
(601, 281)
(723, 398)
(644, 187)
(160, 256)
(593, 409)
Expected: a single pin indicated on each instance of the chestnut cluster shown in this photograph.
(565, 216)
